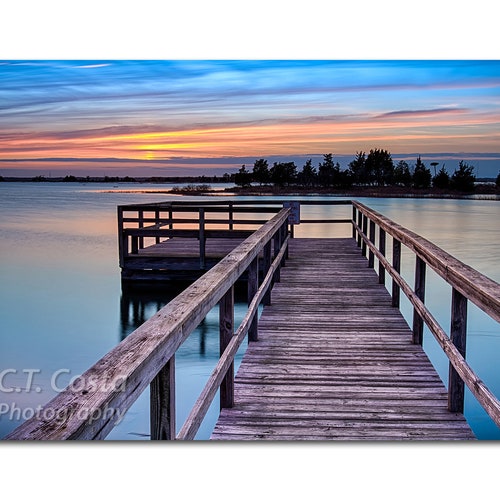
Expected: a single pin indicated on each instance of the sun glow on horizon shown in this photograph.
(157, 110)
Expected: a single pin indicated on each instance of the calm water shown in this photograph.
(62, 308)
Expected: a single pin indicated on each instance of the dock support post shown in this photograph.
(381, 247)
(458, 335)
(122, 238)
(253, 287)
(201, 237)
(267, 264)
(226, 332)
(353, 222)
(162, 403)
(360, 223)
(396, 264)
(365, 232)
(157, 224)
(141, 225)
(418, 322)
(277, 247)
(371, 255)
(231, 216)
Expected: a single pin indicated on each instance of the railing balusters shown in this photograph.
(231, 215)
(162, 403)
(396, 264)
(202, 237)
(381, 247)
(365, 232)
(353, 221)
(371, 256)
(253, 286)
(360, 222)
(157, 223)
(141, 225)
(226, 332)
(266, 265)
(458, 335)
(418, 322)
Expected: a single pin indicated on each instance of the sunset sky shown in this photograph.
(182, 117)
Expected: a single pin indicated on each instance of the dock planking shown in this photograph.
(335, 361)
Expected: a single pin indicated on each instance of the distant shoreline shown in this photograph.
(201, 186)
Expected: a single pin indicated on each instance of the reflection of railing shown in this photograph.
(466, 282)
(92, 405)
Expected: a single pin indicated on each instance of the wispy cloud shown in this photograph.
(199, 109)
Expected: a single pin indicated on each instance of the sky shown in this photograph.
(178, 117)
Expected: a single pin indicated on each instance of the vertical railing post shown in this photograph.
(170, 218)
(157, 223)
(396, 264)
(277, 247)
(381, 247)
(201, 237)
(122, 239)
(141, 225)
(134, 244)
(162, 403)
(231, 216)
(284, 229)
(418, 322)
(353, 222)
(365, 232)
(458, 335)
(226, 332)
(266, 265)
(360, 223)
(253, 287)
(371, 255)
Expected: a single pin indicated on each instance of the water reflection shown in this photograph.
(138, 303)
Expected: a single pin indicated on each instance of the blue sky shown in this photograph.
(175, 117)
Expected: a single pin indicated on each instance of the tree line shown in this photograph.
(376, 168)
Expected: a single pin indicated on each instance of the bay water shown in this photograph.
(62, 307)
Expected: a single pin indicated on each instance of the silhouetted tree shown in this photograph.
(463, 179)
(402, 174)
(442, 179)
(379, 166)
(497, 182)
(261, 171)
(283, 173)
(357, 168)
(421, 175)
(308, 175)
(328, 171)
(243, 177)
(345, 179)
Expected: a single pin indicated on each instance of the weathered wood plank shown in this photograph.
(335, 360)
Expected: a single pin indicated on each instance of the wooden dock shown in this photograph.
(331, 356)
(341, 366)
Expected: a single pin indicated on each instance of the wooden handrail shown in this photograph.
(466, 282)
(195, 418)
(98, 399)
(481, 290)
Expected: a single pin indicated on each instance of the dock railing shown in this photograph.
(467, 284)
(92, 405)
(140, 225)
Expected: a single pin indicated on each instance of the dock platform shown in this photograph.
(329, 356)
(341, 366)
